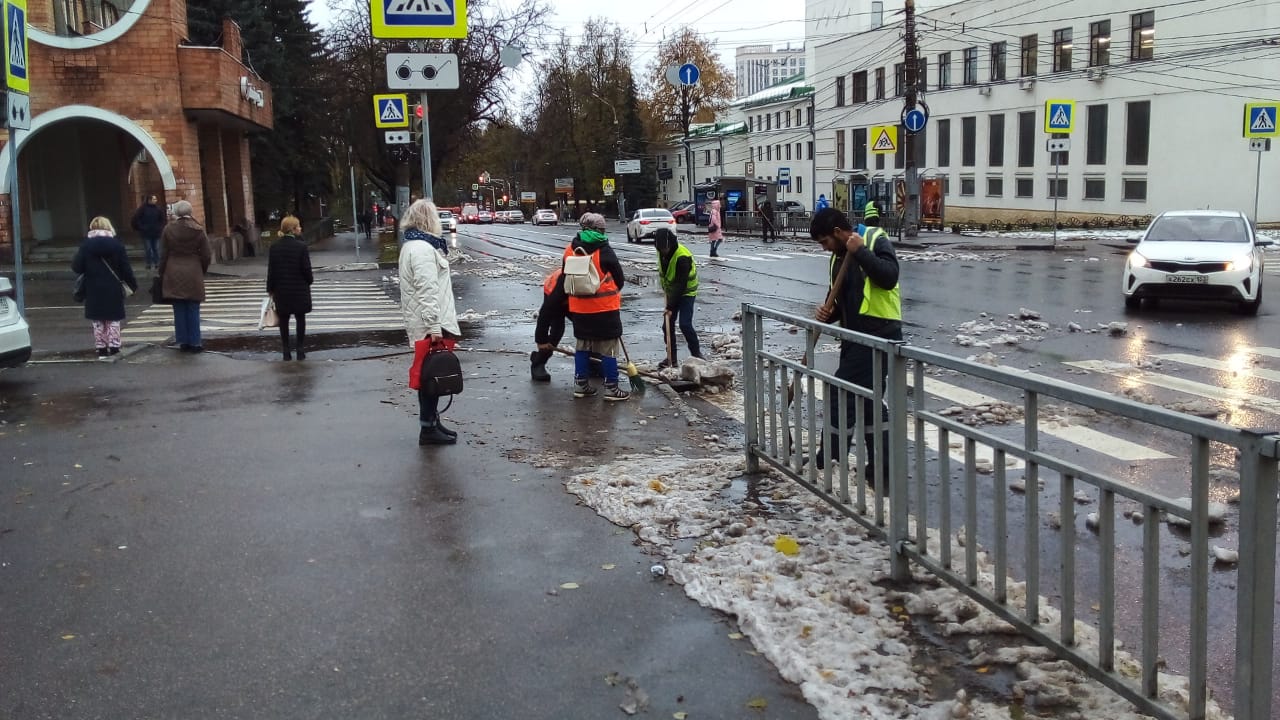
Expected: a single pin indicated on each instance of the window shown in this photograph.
(1096, 152)
(840, 91)
(995, 187)
(1134, 190)
(995, 149)
(968, 141)
(860, 86)
(1026, 139)
(768, 152)
(1100, 43)
(967, 185)
(879, 83)
(1024, 187)
(998, 51)
(879, 162)
(799, 118)
(810, 148)
(840, 150)
(1137, 133)
(1062, 50)
(768, 121)
(788, 152)
(877, 14)
(751, 123)
(788, 116)
(859, 149)
(1095, 189)
(799, 156)
(799, 184)
(944, 143)
(706, 158)
(719, 157)
(898, 154)
(900, 79)
(777, 120)
(1028, 56)
(944, 71)
(1142, 35)
(971, 66)
(1058, 188)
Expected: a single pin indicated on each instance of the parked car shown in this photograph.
(1197, 254)
(515, 217)
(684, 212)
(470, 213)
(791, 207)
(15, 334)
(484, 216)
(545, 217)
(646, 220)
(448, 222)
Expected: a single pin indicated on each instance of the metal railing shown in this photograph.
(917, 516)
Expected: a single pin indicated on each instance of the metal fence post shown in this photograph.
(899, 564)
(1256, 581)
(750, 380)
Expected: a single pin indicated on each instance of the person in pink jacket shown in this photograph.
(715, 232)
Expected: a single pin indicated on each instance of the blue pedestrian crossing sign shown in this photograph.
(390, 111)
(1260, 120)
(15, 46)
(1059, 116)
(410, 19)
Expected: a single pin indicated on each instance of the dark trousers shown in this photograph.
(856, 366)
(684, 317)
(301, 320)
(428, 409)
(767, 229)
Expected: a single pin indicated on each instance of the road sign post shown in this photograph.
(18, 82)
(1059, 118)
(1258, 145)
(427, 193)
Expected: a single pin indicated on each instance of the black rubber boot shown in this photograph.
(876, 474)
(435, 436)
(538, 366)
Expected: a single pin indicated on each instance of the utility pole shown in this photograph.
(911, 219)
(686, 116)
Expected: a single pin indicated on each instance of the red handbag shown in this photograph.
(421, 350)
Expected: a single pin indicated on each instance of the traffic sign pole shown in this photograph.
(426, 149)
(15, 230)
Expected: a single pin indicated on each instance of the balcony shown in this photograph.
(219, 90)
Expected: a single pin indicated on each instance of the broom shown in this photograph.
(829, 304)
(633, 373)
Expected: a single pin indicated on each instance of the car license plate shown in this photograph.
(4, 305)
(1187, 279)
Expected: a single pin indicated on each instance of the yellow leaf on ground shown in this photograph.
(680, 715)
(898, 609)
(658, 486)
(735, 636)
(78, 465)
(827, 674)
(68, 637)
(806, 631)
(787, 545)
(757, 703)
(984, 669)
(569, 586)
(608, 566)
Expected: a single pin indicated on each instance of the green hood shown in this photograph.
(591, 238)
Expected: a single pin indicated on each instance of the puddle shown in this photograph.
(744, 491)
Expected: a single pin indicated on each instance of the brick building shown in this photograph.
(122, 107)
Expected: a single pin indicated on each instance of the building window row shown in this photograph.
(1095, 188)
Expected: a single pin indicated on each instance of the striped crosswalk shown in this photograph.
(232, 306)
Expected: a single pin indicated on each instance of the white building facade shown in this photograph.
(1158, 117)
(757, 67)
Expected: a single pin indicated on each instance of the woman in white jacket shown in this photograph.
(426, 298)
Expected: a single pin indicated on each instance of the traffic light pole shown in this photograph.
(426, 149)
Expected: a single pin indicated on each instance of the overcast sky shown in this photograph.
(729, 22)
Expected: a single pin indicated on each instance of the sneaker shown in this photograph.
(583, 389)
(102, 352)
(664, 364)
(614, 393)
(113, 351)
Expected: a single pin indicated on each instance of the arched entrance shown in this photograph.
(79, 161)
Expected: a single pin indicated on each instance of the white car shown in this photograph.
(516, 217)
(545, 217)
(646, 220)
(1198, 255)
(448, 223)
(15, 334)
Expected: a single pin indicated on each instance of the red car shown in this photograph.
(683, 212)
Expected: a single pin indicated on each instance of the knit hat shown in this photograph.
(592, 221)
(870, 211)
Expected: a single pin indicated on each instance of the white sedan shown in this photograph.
(1197, 255)
(15, 335)
(545, 217)
(448, 223)
(647, 220)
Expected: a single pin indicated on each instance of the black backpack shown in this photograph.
(441, 373)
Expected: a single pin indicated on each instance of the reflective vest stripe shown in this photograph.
(607, 297)
(669, 275)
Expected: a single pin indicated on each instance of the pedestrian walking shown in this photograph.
(868, 302)
(184, 259)
(426, 299)
(823, 203)
(596, 315)
(149, 220)
(678, 275)
(289, 281)
(104, 263)
(767, 228)
(715, 230)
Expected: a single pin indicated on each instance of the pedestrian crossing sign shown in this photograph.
(410, 19)
(884, 139)
(15, 45)
(1260, 120)
(389, 111)
(1059, 116)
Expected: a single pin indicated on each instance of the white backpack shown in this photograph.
(581, 279)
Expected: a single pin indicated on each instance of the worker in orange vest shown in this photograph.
(597, 310)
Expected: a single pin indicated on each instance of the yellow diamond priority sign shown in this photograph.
(884, 139)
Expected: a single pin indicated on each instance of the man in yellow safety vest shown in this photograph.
(678, 274)
(868, 302)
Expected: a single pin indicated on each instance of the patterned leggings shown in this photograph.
(106, 333)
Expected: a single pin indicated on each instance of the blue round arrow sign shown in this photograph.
(689, 74)
(915, 120)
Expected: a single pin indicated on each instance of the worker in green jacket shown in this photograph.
(679, 276)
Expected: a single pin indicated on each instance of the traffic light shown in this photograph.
(417, 111)
(480, 179)
(504, 198)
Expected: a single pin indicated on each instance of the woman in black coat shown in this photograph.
(105, 265)
(289, 282)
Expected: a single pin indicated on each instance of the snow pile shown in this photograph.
(986, 331)
(727, 346)
(950, 257)
(994, 413)
(805, 584)
(707, 374)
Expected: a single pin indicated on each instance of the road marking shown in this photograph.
(1265, 351)
(1190, 387)
(1212, 364)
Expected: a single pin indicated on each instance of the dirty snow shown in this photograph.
(822, 617)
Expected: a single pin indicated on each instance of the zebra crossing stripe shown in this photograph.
(1264, 351)
(1213, 364)
(1190, 387)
